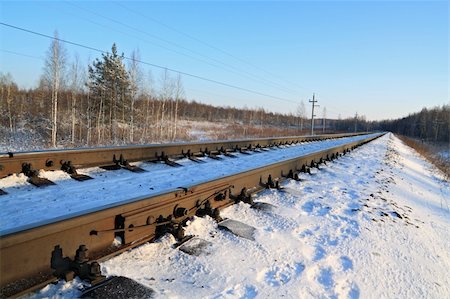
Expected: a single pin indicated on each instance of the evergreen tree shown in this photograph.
(109, 85)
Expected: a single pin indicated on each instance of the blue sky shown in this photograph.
(381, 59)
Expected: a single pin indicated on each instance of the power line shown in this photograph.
(150, 42)
(21, 54)
(222, 65)
(149, 64)
(206, 44)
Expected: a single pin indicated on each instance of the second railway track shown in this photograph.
(31, 254)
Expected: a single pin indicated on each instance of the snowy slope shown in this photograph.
(372, 224)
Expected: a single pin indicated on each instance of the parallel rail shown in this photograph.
(11, 163)
(26, 255)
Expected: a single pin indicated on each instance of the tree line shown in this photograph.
(431, 124)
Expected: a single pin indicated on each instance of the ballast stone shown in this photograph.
(238, 228)
(118, 287)
(196, 247)
(264, 206)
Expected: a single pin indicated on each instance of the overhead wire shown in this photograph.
(215, 48)
(163, 47)
(22, 54)
(223, 66)
(153, 43)
(149, 63)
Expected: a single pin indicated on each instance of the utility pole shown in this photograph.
(313, 101)
(356, 121)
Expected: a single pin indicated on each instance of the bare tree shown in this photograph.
(74, 91)
(179, 93)
(6, 87)
(54, 71)
(262, 112)
(301, 114)
(135, 74)
(165, 94)
(324, 117)
(148, 99)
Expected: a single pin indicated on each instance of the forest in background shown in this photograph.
(432, 125)
(110, 102)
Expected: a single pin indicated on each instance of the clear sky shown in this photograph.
(381, 59)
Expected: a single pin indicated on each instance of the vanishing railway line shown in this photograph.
(33, 255)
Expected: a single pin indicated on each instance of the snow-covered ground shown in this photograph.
(27, 206)
(372, 224)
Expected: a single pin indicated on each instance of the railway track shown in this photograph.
(34, 255)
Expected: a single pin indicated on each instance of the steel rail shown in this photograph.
(26, 257)
(13, 162)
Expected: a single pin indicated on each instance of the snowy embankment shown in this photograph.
(372, 224)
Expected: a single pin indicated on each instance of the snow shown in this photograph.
(372, 224)
(27, 206)
(444, 154)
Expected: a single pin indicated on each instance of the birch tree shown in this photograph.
(301, 114)
(135, 74)
(74, 91)
(165, 94)
(7, 86)
(149, 92)
(54, 70)
(179, 93)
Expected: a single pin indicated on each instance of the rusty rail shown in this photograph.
(11, 163)
(26, 257)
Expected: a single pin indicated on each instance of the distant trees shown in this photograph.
(428, 124)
